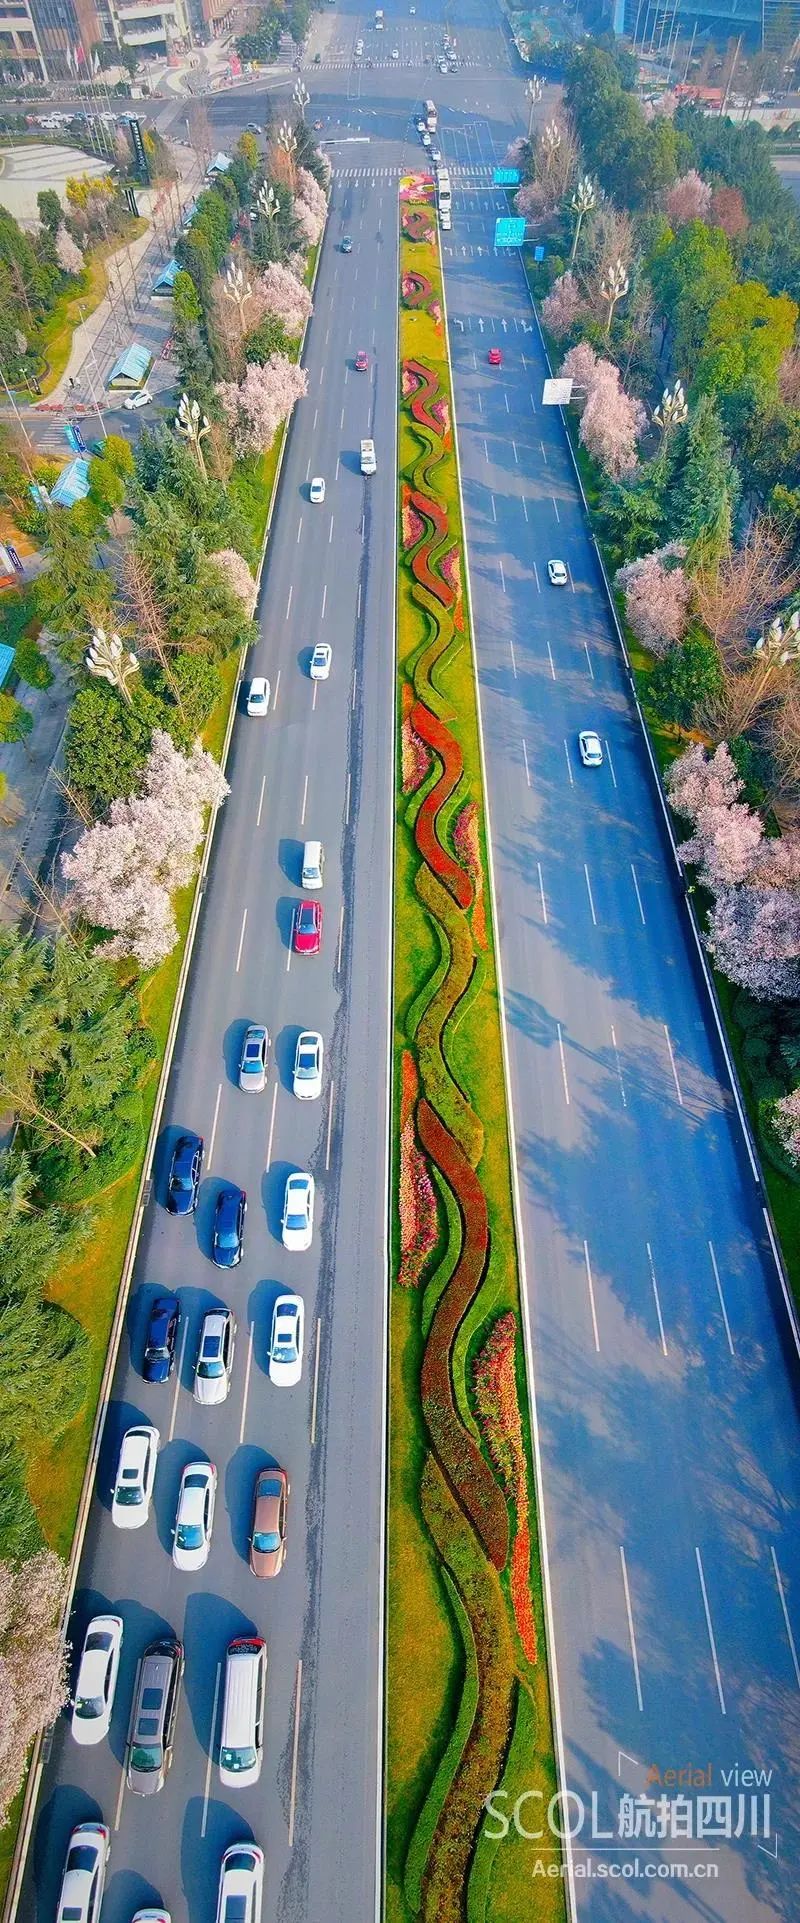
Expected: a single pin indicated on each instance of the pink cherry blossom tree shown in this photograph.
(658, 597)
(309, 190)
(33, 1661)
(563, 306)
(697, 780)
(68, 253)
(580, 366)
(786, 1122)
(688, 199)
(255, 407)
(754, 937)
(277, 292)
(611, 422)
(237, 574)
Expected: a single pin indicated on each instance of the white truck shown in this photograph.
(369, 464)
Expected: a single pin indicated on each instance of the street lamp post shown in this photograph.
(110, 661)
(301, 97)
(584, 201)
(613, 287)
(672, 410)
(193, 426)
(533, 93)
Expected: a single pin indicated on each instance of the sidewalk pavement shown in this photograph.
(33, 809)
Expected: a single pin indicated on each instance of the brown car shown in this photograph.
(268, 1534)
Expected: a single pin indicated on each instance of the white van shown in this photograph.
(313, 864)
(242, 1738)
(369, 464)
(443, 193)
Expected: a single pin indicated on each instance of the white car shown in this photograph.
(84, 1876)
(241, 1880)
(436, 156)
(316, 492)
(95, 1688)
(442, 66)
(426, 140)
(151, 1916)
(557, 574)
(297, 1226)
(194, 1517)
(420, 126)
(285, 1363)
(590, 748)
(321, 661)
(258, 695)
(395, 53)
(307, 1075)
(254, 1058)
(134, 401)
(212, 1370)
(445, 221)
(136, 1473)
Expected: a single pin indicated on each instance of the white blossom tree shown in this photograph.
(237, 575)
(278, 292)
(33, 1661)
(255, 407)
(658, 596)
(68, 253)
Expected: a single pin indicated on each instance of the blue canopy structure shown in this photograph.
(6, 658)
(219, 165)
(72, 484)
(132, 368)
(166, 279)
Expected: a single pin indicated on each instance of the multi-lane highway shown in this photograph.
(665, 1373)
(320, 765)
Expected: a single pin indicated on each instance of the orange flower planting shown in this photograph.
(521, 1597)
(467, 846)
(416, 758)
(495, 1384)
(417, 1208)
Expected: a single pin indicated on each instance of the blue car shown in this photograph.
(229, 1214)
(162, 1330)
(184, 1175)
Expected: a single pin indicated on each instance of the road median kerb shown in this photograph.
(694, 924)
(40, 1748)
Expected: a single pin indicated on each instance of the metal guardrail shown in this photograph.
(694, 924)
(41, 1747)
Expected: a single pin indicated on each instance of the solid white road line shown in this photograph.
(324, 601)
(525, 511)
(721, 1297)
(516, 456)
(210, 1154)
(210, 1761)
(315, 1390)
(563, 1063)
(353, 696)
(589, 659)
(118, 1810)
(619, 1067)
(241, 940)
(339, 943)
(591, 1295)
(785, 1616)
(672, 1065)
(502, 573)
(314, 697)
(330, 1128)
(638, 896)
(710, 1629)
(295, 1745)
(542, 896)
(611, 764)
(268, 1162)
(305, 799)
(656, 1298)
(555, 504)
(277, 690)
(566, 751)
(248, 1366)
(178, 1380)
(525, 758)
(330, 532)
(299, 531)
(261, 796)
(631, 1635)
(494, 510)
(589, 893)
(513, 656)
(289, 600)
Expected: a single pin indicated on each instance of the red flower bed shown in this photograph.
(495, 1384)
(521, 1598)
(439, 738)
(419, 382)
(466, 841)
(417, 289)
(417, 223)
(413, 523)
(466, 1469)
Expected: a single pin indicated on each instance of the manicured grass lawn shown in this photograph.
(428, 1666)
(56, 334)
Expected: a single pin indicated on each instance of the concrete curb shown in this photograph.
(516, 1200)
(40, 1750)
(733, 1074)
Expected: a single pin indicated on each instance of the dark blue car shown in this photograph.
(184, 1174)
(229, 1214)
(162, 1330)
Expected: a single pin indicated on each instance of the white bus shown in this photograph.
(443, 194)
(431, 120)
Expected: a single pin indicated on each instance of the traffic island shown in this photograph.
(468, 1696)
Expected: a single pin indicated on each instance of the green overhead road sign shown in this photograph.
(509, 231)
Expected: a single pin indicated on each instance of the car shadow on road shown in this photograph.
(260, 1305)
(210, 1623)
(290, 859)
(201, 1856)
(240, 1476)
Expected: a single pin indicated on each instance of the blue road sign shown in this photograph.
(14, 559)
(79, 440)
(506, 177)
(509, 231)
(539, 254)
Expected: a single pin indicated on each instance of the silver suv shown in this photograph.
(155, 1710)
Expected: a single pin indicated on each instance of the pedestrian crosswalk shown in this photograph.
(464, 177)
(338, 63)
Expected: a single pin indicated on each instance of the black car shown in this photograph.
(184, 1174)
(229, 1214)
(162, 1329)
(347, 245)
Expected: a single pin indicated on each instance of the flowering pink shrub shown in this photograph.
(416, 758)
(658, 597)
(255, 407)
(689, 199)
(413, 524)
(563, 305)
(236, 573)
(33, 1661)
(495, 1387)
(417, 1196)
(786, 1122)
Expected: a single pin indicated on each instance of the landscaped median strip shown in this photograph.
(28, 1809)
(468, 1700)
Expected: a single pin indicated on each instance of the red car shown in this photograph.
(362, 361)
(495, 357)
(307, 930)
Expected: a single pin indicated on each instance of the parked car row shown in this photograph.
(241, 1880)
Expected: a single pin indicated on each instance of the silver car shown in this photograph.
(307, 1075)
(253, 1063)
(96, 1686)
(214, 1365)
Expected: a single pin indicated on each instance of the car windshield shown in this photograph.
(234, 1759)
(146, 1757)
(210, 1370)
(189, 1535)
(129, 1496)
(265, 1541)
(88, 1707)
(70, 1915)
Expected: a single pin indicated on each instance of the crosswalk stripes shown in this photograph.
(339, 65)
(466, 178)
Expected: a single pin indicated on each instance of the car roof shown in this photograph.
(135, 1444)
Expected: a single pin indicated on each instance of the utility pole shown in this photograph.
(734, 64)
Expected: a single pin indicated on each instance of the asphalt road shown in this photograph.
(666, 1378)
(321, 765)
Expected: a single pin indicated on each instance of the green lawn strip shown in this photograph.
(468, 1698)
(73, 308)
(422, 1718)
(503, 1886)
